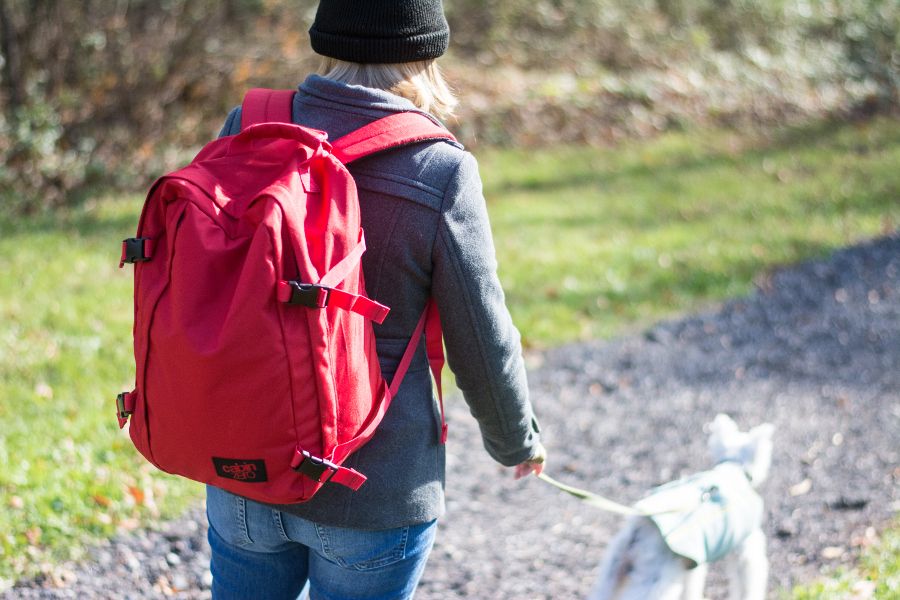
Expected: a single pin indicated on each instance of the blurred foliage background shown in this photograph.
(113, 92)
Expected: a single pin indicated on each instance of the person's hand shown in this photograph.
(535, 464)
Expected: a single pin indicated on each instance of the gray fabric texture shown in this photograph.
(427, 234)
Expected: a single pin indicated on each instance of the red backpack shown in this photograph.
(255, 356)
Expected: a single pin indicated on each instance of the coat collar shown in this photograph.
(354, 95)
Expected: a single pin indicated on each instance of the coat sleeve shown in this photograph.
(232, 123)
(483, 346)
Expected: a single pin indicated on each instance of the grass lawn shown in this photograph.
(591, 243)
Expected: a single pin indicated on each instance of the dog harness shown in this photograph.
(726, 511)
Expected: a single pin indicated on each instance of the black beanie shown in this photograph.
(380, 31)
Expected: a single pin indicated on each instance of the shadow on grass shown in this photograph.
(653, 295)
(114, 218)
(579, 174)
(643, 218)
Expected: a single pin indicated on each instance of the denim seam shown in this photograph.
(396, 554)
(241, 510)
(279, 525)
(404, 542)
(326, 548)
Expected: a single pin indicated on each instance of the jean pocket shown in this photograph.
(227, 514)
(363, 550)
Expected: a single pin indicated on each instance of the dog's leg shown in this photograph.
(694, 582)
(672, 580)
(748, 569)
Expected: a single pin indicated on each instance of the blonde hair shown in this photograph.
(419, 82)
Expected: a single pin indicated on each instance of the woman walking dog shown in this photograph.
(428, 236)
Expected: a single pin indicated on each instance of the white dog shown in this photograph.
(712, 515)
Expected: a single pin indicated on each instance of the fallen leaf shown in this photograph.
(801, 488)
(137, 493)
(33, 535)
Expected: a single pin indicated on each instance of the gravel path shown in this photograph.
(816, 351)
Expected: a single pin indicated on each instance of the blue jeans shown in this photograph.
(260, 552)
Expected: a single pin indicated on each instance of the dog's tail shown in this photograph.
(618, 565)
(638, 565)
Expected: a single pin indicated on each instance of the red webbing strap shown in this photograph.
(428, 322)
(434, 348)
(331, 296)
(347, 477)
(343, 475)
(352, 302)
(342, 450)
(261, 105)
(392, 131)
(358, 304)
(340, 271)
(430, 325)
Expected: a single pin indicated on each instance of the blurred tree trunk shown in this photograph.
(13, 85)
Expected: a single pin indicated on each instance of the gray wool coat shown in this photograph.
(427, 234)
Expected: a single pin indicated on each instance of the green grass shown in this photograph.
(67, 474)
(591, 243)
(877, 575)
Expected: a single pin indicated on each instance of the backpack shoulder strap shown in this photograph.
(266, 106)
(388, 132)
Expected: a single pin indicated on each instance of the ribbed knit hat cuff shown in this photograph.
(380, 50)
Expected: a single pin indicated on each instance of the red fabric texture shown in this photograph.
(231, 381)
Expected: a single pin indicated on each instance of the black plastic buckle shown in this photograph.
(133, 250)
(315, 467)
(120, 406)
(310, 295)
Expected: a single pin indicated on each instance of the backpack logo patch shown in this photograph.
(249, 470)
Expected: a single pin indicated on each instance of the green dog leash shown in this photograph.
(606, 504)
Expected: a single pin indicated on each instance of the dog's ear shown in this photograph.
(761, 439)
(722, 429)
(722, 433)
(762, 432)
(722, 425)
